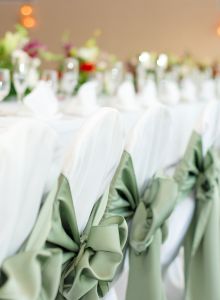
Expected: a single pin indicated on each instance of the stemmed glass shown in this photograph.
(20, 78)
(70, 76)
(51, 77)
(113, 78)
(5, 83)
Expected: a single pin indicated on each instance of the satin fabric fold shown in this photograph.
(90, 260)
(34, 272)
(202, 243)
(147, 215)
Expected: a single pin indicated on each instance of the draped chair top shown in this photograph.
(148, 144)
(26, 150)
(92, 160)
(92, 245)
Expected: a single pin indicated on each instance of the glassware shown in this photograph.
(5, 83)
(70, 76)
(20, 78)
(113, 78)
(51, 77)
(141, 77)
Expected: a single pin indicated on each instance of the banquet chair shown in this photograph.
(193, 175)
(26, 149)
(91, 243)
(138, 193)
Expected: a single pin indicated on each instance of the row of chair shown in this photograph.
(112, 223)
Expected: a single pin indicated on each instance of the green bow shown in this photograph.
(148, 231)
(202, 242)
(90, 260)
(200, 174)
(148, 215)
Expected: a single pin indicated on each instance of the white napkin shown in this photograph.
(169, 92)
(86, 100)
(188, 90)
(208, 91)
(41, 101)
(148, 95)
(126, 97)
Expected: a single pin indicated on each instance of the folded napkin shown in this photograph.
(208, 90)
(86, 100)
(188, 90)
(126, 97)
(42, 101)
(169, 92)
(148, 96)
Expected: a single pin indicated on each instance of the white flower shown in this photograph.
(88, 54)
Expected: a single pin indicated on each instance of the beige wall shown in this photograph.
(128, 26)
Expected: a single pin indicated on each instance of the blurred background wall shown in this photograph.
(128, 26)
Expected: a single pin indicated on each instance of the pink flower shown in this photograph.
(33, 48)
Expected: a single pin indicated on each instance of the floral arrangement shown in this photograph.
(91, 58)
(17, 45)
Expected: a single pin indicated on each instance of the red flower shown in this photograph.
(87, 67)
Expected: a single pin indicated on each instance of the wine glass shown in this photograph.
(113, 78)
(4, 83)
(20, 78)
(70, 76)
(51, 77)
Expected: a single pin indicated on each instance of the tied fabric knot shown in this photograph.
(97, 261)
(205, 189)
(90, 259)
(148, 231)
(200, 174)
(83, 241)
(206, 182)
(71, 266)
(151, 214)
(141, 231)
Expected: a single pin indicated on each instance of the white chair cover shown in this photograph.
(92, 161)
(26, 150)
(147, 145)
(126, 97)
(85, 102)
(188, 90)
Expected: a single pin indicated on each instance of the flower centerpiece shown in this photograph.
(92, 60)
(18, 46)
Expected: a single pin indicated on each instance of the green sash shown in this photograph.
(202, 242)
(34, 272)
(90, 260)
(148, 229)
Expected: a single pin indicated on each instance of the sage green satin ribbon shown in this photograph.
(34, 272)
(202, 243)
(123, 194)
(148, 215)
(90, 260)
